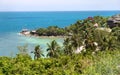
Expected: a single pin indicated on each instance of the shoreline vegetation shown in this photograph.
(35, 36)
(91, 47)
(49, 32)
(57, 32)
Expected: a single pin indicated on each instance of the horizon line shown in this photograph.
(59, 10)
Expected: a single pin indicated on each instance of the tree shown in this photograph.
(105, 40)
(37, 52)
(53, 49)
(84, 33)
(68, 49)
(41, 31)
(116, 32)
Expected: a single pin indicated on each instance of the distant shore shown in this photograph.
(45, 33)
(36, 36)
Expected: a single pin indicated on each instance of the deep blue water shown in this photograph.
(12, 22)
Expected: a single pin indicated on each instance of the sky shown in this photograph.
(58, 5)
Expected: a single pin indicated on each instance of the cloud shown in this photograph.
(55, 5)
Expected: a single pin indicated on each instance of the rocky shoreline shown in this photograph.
(26, 32)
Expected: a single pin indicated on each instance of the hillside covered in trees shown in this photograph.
(90, 48)
(57, 31)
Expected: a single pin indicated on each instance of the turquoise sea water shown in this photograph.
(11, 24)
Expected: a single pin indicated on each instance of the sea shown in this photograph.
(11, 23)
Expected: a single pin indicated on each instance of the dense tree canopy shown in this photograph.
(103, 63)
(51, 31)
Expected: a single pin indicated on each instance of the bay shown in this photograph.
(11, 23)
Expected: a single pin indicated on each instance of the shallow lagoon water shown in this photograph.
(13, 40)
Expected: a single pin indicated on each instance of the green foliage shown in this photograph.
(42, 31)
(105, 62)
(37, 52)
(53, 49)
(85, 33)
(51, 31)
(116, 32)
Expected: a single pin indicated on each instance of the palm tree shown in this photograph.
(53, 49)
(37, 52)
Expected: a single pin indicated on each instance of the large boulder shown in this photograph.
(114, 21)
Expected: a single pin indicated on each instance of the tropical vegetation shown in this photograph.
(51, 31)
(90, 48)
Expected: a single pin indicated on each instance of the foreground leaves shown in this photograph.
(105, 62)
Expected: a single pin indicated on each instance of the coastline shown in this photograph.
(36, 36)
(34, 33)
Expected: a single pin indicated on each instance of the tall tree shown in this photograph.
(68, 48)
(53, 49)
(37, 52)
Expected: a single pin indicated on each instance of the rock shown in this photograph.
(25, 32)
(33, 32)
(114, 21)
